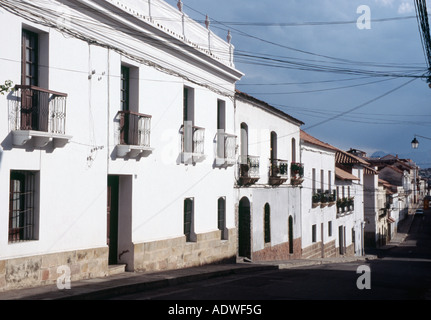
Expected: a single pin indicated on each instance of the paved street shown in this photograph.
(401, 273)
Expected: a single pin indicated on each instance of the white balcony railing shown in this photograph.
(225, 148)
(39, 115)
(192, 143)
(135, 134)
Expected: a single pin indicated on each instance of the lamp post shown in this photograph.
(415, 145)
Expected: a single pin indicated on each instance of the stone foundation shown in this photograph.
(315, 250)
(176, 253)
(278, 252)
(42, 270)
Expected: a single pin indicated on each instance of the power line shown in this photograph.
(303, 24)
(361, 105)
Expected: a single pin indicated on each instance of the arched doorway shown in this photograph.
(244, 228)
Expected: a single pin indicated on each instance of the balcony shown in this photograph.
(135, 133)
(324, 198)
(296, 173)
(225, 149)
(345, 206)
(278, 171)
(38, 116)
(248, 170)
(192, 144)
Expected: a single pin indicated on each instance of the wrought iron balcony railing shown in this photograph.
(278, 171)
(225, 148)
(135, 129)
(249, 169)
(40, 109)
(134, 132)
(38, 114)
(296, 173)
(192, 143)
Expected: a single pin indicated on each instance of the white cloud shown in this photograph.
(406, 7)
(386, 3)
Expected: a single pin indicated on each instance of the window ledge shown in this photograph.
(228, 162)
(39, 139)
(189, 157)
(133, 151)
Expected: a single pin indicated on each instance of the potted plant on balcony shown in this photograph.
(316, 200)
(350, 203)
(283, 168)
(323, 199)
(296, 172)
(296, 169)
(332, 198)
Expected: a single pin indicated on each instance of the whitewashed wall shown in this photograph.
(73, 179)
(321, 159)
(72, 190)
(284, 200)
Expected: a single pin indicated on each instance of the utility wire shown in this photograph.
(361, 105)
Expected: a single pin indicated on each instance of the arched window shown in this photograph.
(267, 223)
(244, 143)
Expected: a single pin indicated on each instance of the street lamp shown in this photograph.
(415, 143)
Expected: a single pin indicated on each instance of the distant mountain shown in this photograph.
(378, 154)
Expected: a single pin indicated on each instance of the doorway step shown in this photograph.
(116, 269)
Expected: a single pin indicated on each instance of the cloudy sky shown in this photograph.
(353, 85)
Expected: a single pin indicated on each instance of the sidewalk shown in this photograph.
(131, 282)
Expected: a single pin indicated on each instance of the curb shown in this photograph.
(115, 289)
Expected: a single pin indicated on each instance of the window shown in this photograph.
(293, 150)
(322, 178)
(30, 58)
(267, 223)
(125, 88)
(313, 179)
(22, 206)
(188, 219)
(221, 217)
(244, 143)
(329, 228)
(313, 233)
(188, 119)
(221, 128)
(329, 180)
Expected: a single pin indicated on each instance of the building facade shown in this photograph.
(268, 180)
(318, 198)
(118, 140)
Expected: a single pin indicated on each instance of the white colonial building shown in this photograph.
(350, 172)
(319, 211)
(268, 180)
(118, 143)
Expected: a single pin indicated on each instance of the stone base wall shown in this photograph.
(278, 252)
(176, 253)
(315, 250)
(41, 270)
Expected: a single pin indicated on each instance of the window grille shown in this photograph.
(22, 206)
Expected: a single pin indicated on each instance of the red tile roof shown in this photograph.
(344, 175)
(310, 139)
